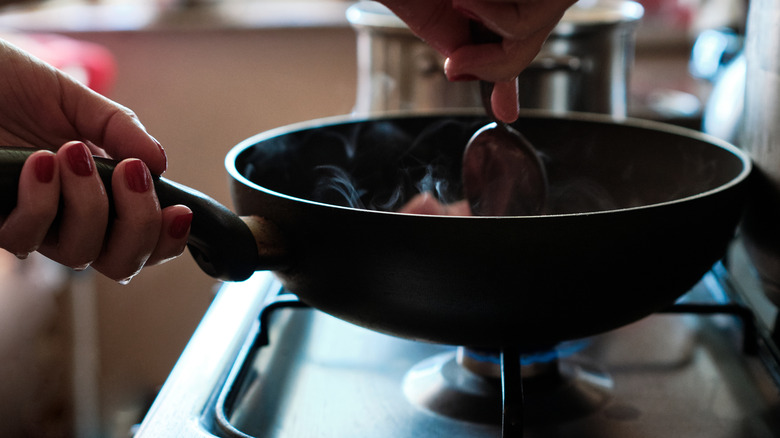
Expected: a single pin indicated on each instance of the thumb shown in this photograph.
(112, 127)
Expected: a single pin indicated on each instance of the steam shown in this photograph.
(378, 165)
(336, 186)
(383, 164)
(431, 184)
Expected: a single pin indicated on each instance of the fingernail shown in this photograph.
(44, 168)
(137, 176)
(180, 226)
(82, 267)
(162, 151)
(22, 255)
(126, 281)
(80, 160)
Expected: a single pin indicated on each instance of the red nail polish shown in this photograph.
(44, 168)
(180, 226)
(137, 176)
(80, 160)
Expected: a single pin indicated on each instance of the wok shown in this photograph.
(638, 212)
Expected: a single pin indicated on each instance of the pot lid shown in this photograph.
(583, 14)
(374, 16)
(587, 14)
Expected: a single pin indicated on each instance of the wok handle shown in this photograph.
(220, 242)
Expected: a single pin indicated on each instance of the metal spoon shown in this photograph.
(502, 173)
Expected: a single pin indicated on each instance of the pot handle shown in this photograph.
(220, 242)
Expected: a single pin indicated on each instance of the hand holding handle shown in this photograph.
(221, 242)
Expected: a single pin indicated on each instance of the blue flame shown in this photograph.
(561, 351)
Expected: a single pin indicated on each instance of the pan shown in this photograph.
(637, 213)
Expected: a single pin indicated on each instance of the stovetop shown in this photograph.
(706, 368)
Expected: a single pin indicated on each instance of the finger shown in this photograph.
(442, 27)
(515, 20)
(37, 202)
(500, 62)
(176, 221)
(108, 125)
(58, 108)
(118, 131)
(135, 228)
(505, 101)
(84, 213)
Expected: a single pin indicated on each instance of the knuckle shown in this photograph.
(41, 214)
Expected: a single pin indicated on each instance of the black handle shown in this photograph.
(220, 242)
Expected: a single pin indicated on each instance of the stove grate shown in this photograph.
(753, 343)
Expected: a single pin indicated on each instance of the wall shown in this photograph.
(199, 91)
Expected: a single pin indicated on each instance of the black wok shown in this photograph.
(638, 212)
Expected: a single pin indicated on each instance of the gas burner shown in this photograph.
(466, 385)
(699, 372)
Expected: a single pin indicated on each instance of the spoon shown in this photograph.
(502, 173)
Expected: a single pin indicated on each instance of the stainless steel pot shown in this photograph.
(583, 66)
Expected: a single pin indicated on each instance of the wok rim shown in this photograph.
(238, 149)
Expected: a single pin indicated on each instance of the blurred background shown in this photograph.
(82, 356)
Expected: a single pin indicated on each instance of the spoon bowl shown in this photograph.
(503, 174)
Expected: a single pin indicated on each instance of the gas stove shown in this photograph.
(263, 364)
